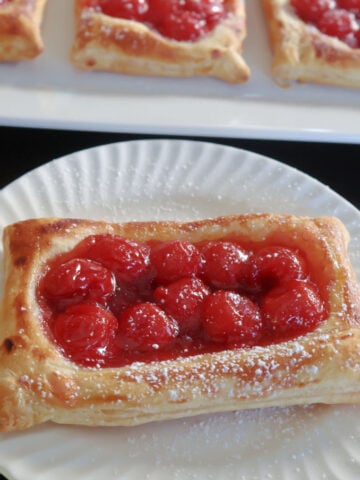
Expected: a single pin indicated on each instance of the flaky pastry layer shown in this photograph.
(130, 47)
(38, 384)
(304, 54)
(20, 34)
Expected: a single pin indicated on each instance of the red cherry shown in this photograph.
(273, 265)
(175, 259)
(186, 20)
(311, 10)
(224, 264)
(207, 8)
(78, 280)
(85, 332)
(129, 260)
(159, 9)
(129, 9)
(215, 12)
(232, 318)
(338, 23)
(145, 328)
(183, 301)
(182, 26)
(294, 309)
(350, 5)
(209, 12)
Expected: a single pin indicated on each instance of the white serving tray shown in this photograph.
(49, 92)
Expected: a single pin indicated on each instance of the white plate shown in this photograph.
(49, 92)
(183, 180)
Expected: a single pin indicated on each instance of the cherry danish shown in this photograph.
(315, 41)
(98, 327)
(173, 38)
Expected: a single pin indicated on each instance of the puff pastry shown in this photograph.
(302, 53)
(126, 46)
(20, 35)
(38, 384)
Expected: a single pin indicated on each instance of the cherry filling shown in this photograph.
(111, 301)
(337, 18)
(182, 20)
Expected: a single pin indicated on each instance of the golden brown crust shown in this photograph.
(302, 53)
(20, 35)
(38, 384)
(126, 46)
